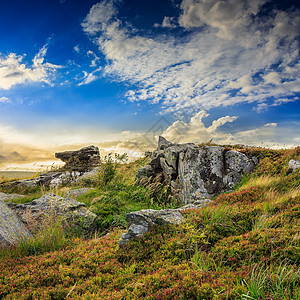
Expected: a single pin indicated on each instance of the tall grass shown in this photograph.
(51, 238)
(273, 283)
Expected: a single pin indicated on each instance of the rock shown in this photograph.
(293, 165)
(200, 173)
(236, 164)
(148, 154)
(140, 222)
(144, 174)
(82, 160)
(163, 143)
(12, 230)
(9, 197)
(39, 211)
(196, 205)
(44, 179)
(196, 172)
(74, 194)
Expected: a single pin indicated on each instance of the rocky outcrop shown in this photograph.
(80, 164)
(196, 172)
(293, 165)
(51, 206)
(82, 160)
(12, 230)
(140, 222)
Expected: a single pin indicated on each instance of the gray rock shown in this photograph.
(236, 165)
(72, 213)
(140, 222)
(200, 173)
(12, 230)
(293, 165)
(163, 143)
(74, 194)
(196, 205)
(195, 172)
(9, 197)
(82, 160)
(144, 174)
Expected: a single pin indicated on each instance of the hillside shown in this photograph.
(244, 245)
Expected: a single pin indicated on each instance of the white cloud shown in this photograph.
(269, 135)
(169, 22)
(89, 77)
(5, 100)
(76, 49)
(13, 71)
(226, 59)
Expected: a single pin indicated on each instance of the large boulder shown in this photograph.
(196, 172)
(200, 172)
(49, 207)
(82, 160)
(12, 230)
(140, 222)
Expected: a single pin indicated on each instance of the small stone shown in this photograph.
(293, 165)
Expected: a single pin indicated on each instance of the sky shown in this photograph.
(118, 73)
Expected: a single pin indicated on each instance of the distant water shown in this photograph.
(16, 174)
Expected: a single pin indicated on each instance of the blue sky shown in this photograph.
(118, 73)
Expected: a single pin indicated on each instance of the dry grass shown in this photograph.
(262, 181)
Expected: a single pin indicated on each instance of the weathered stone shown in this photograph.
(144, 174)
(9, 197)
(155, 161)
(12, 230)
(200, 172)
(44, 179)
(293, 165)
(82, 160)
(196, 205)
(163, 143)
(72, 213)
(236, 164)
(140, 222)
(195, 172)
(74, 194)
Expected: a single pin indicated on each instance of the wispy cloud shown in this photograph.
(14, 71)
(229, 54)
(5, 100)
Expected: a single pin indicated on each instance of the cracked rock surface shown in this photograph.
(196, 172)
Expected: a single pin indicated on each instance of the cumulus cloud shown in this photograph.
(268, 135)
(227, 54)
(13, 71)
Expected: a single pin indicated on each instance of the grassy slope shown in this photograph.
(244, 246)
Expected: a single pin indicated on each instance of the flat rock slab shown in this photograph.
(9, 197)
(12, 230)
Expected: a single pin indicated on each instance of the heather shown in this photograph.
(244, 245)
